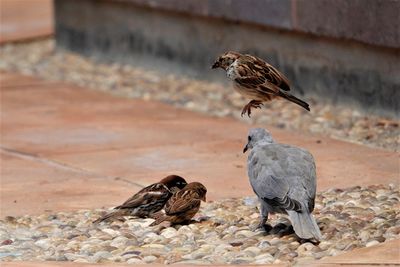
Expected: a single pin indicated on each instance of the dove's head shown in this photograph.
(225, 60)
(257, 136)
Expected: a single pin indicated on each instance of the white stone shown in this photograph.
(134, 261)
(43, 243)
(169, 232)
(111, 232)
(149, 259)
(372, 243)
(119, 241)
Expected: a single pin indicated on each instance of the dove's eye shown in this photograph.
(249, 138)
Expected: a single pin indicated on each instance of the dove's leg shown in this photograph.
(264, 211)
(251, 104)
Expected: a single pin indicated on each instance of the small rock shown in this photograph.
(169, 232)
(149, 259)
(135, 261)
(6, 242)
(372, 243)
(98, 256)
(43, 243)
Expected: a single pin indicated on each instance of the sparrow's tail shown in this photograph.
(111, 215)
(159, 217)
(294, 99)
(304, 225)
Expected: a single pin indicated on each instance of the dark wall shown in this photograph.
(374, 22)
(131, 31)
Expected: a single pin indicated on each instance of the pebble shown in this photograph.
(135, 261)
(372, 243)
(224, 237)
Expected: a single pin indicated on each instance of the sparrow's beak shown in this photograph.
(204, 199)
(246, 148)
(215, 65)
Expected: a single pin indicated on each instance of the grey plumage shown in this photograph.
(284, 179)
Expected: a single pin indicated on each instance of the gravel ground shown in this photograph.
(39, 58)
(352, 218)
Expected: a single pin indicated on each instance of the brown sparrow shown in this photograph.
(256, 79)
(149, 200)
(183, 205)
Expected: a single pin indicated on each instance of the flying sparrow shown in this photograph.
(256, 79)
(149, 200)
(183, 205)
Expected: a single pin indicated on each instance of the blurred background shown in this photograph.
(342, 56)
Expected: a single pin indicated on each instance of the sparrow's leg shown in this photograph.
(251, 104)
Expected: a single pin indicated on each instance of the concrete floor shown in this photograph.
(67, 148)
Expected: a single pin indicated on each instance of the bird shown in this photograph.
(284, 179)
(256, 79)
(148, 200)
(183, 205)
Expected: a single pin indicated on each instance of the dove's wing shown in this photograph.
(279, 175)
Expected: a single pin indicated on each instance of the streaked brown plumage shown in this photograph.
(256, 79)
(149, 200)
(183, 205)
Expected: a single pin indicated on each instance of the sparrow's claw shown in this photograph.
(251, 104)
(246, 109)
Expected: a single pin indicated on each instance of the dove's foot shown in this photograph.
(262, 227)
(282, 229)
(251, 104)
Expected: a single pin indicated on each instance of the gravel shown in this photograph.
(39, 58)
(221, 233)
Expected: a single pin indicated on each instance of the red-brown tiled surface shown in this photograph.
(67, 148)
(24, 19)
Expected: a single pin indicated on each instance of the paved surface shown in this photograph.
(24, 19)
(66, 148)
(386, 254)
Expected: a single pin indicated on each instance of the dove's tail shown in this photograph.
(112, 214)
(294, 99)
(304, 225)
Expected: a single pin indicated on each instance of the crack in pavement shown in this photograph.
(56, 164)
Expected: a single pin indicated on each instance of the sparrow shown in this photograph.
(284, 179)
(149, 200)
(256, 79)
(183, 205)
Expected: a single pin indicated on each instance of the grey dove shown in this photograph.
(284, 180)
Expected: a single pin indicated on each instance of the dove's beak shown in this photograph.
(246, 148)
(215, 65)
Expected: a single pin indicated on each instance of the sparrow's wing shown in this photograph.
(261, 72)
(148, 195)
(181, 202)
